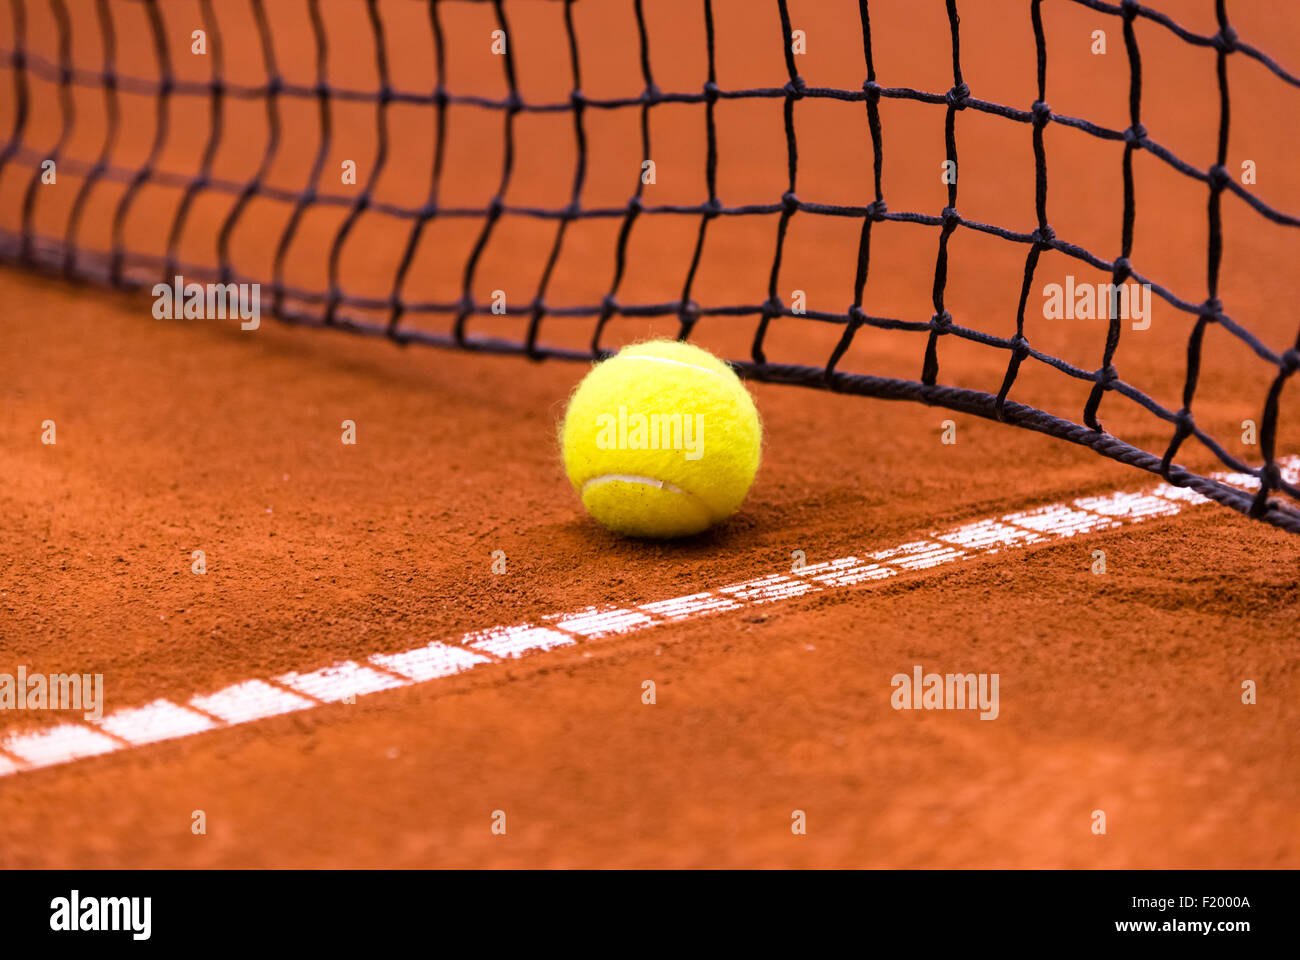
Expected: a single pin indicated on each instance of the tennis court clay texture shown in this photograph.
(416, 650)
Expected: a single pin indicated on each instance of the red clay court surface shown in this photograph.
(1119, 692)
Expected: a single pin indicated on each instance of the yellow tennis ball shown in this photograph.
(661, 440)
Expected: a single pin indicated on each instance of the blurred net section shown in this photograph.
(127, 86)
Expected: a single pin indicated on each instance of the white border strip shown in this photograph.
(257, 699)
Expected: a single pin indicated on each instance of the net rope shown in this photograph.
(334, 306)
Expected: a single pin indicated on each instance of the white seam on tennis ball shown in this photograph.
(648, 482)
(632, 478)
(675, 363)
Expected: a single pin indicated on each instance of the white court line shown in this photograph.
(343, 680)
(429, 663)
(67, 741)
(160, 720)
(249, 701)
(513, 642)
(257, 699)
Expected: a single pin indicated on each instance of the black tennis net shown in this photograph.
(333, 305)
